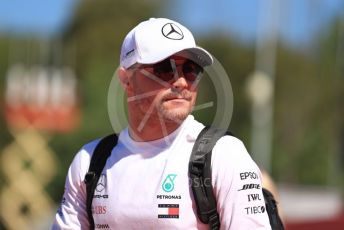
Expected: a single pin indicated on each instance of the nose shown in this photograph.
(180, 83)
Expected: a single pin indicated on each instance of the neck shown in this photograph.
(151, 129)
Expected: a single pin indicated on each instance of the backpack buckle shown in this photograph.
(89, 177)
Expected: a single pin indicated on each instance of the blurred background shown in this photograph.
(285, 60)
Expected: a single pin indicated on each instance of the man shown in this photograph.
(145, 183)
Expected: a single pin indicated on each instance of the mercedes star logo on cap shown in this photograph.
(172, 31)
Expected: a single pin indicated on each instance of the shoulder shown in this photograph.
(231, 163)
(87, 150)
(230, 146)
(231, 151)
(81, 161)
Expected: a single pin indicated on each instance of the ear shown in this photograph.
(123, 75)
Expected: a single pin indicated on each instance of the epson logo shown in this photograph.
(251, 175)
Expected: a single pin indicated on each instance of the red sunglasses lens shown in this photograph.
(165, 71)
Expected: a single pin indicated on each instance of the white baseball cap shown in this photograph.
(156, 39)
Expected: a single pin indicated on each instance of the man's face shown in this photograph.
(167, 90)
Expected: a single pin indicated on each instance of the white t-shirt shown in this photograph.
(145, 185)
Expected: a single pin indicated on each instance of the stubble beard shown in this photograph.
(176, 115)
(161, 113)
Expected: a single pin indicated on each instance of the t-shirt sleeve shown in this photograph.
(72, 212)
(237, 186)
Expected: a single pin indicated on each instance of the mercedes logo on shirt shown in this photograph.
(172, 31)
(101, 183)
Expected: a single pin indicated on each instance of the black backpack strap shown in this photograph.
(200, 175)
(101, 153)
(271, 208)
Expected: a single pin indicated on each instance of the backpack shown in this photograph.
(199, 171)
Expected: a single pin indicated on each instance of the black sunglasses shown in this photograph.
(166, 71)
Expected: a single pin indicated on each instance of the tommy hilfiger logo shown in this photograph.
(168, 211)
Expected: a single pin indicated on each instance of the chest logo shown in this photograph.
(168, 184)
(101, 183)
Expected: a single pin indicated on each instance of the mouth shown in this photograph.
(176, 99)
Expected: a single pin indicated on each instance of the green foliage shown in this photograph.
(4, 51)
(238, 62)
(307, 114)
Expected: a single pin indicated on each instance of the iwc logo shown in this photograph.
(172, 31)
